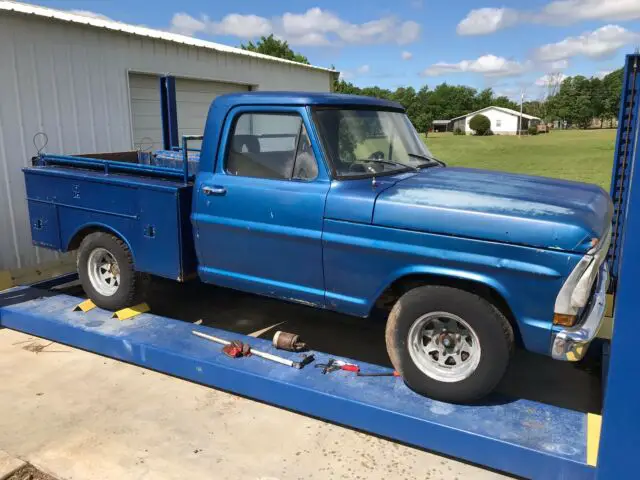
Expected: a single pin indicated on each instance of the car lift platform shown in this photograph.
(521, 437)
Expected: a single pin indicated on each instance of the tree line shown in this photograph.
(444, 102)
(571, 101)
(579, 100)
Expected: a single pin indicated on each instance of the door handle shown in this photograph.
(215, 190)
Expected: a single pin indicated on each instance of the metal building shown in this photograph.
(92, 85)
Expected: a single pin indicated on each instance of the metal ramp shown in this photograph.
(519, 436)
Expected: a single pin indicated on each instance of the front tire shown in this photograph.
(106, 271)
(448, 344)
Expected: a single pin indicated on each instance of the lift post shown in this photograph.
(621, 417)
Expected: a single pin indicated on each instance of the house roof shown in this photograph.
(502, 109)
(27, 9)
(441, 122)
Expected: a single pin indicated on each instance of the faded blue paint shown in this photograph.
(519, 436)
(335, 244)
(502, 207)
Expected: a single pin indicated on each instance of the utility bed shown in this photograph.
(134, 194)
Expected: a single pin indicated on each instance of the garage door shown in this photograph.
(193, 98)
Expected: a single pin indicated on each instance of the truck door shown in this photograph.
(259, 215)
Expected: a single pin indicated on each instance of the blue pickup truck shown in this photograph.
(333, 201)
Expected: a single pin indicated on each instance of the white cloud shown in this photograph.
(569, 11)
(559, 65)
(603, 73)
(546, 80)
(596, 44)
(409, 32)
(351, 74)
(313, 27)
(406, 55)
(242, 26)
(559, 12)
(314, 20)
(482, 21)
(185, 24)
(488, 65)
(90, 14)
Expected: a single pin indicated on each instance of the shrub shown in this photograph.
(533, 130)
(458, 131)
(480, 124)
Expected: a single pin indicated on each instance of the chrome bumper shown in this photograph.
(571, 344)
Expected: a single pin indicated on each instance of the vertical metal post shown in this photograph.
(169, 111)
(623, 158)
(520, 117)
(185, 159)
(620, 437)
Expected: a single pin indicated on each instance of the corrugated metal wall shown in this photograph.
(71, 81)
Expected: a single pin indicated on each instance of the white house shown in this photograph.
(504, 121)
(92, 85)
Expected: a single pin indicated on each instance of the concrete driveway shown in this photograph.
(76, 415)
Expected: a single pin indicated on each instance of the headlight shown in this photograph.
(576, 290)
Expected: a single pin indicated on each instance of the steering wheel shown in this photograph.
(377, 155)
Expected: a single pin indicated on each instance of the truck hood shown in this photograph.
(496, 206)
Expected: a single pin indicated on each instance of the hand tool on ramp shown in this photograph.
(334, 365)
(239, 349)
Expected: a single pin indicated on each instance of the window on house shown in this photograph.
(498, 123)
(268, 145)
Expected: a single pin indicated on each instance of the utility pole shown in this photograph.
(520, 117)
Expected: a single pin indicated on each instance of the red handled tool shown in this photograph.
(334, 365)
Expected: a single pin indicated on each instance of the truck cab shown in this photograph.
(334, 201)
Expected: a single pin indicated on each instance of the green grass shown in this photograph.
(581, 155)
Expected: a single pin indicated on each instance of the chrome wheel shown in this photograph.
(104, 273)
(444, 347)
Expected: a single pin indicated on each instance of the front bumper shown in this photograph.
(570, 344)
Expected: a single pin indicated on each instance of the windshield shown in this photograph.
(371, 142)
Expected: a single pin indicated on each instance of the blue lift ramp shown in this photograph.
(518, 436)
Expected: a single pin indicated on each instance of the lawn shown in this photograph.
(582, 155)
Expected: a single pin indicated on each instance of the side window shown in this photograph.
(268, 145)
(498, 122)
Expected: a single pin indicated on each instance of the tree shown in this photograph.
(504, 102)
(275, 48)
(535, 108)
(481, 124)
(611, 91)
(579, 100)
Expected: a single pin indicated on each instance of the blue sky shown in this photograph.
(508, 45)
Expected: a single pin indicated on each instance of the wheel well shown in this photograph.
(80, 235)
(402, 285)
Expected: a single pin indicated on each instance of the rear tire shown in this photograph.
(106, 271)
(448, 344)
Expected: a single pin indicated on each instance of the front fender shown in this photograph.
(450, 274)
(362, 261)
